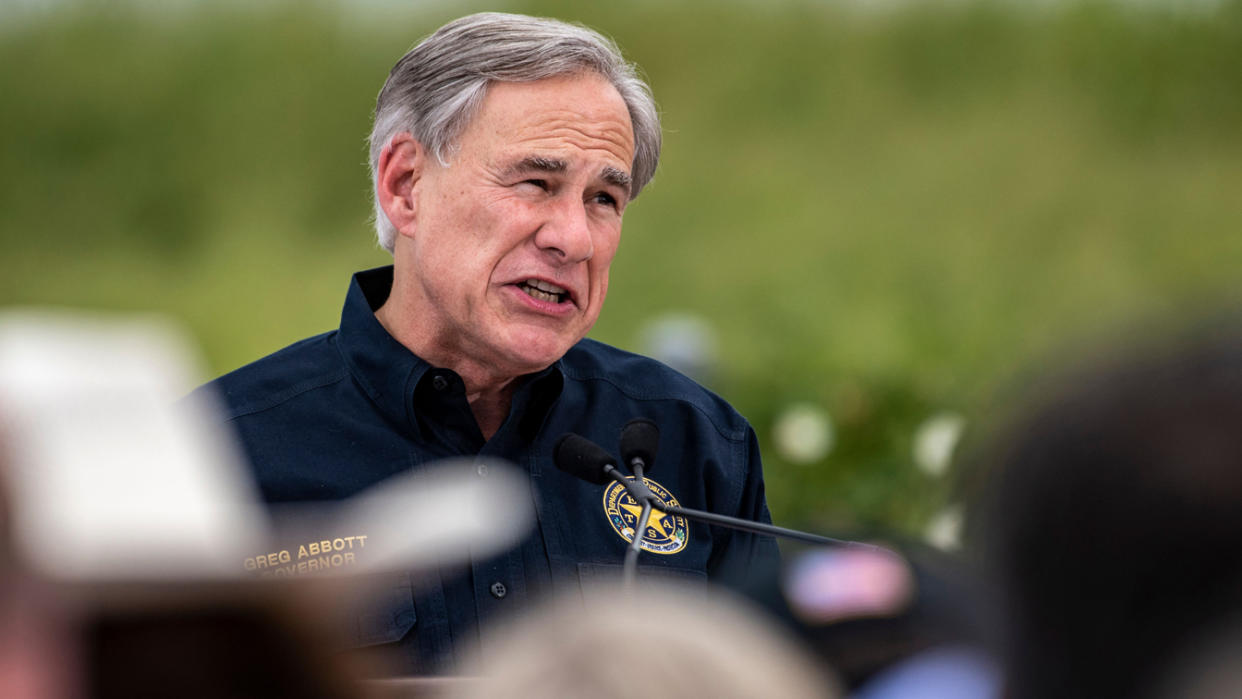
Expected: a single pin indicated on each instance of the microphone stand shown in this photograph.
(640, 493)
(755, 527)
(638, 490)
(582, 458)
(631, 554)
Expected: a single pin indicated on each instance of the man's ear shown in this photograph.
(401, 165)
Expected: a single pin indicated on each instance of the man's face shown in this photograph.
(510, 245)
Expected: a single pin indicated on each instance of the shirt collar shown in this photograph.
(389, 373)
(383, 367)
(536, 398)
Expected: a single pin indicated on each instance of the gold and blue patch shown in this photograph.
(663, 533)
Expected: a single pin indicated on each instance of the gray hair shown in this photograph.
(589, 645)
(436, 88)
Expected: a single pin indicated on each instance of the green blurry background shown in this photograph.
(885, 214)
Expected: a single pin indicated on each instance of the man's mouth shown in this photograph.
(539, 289)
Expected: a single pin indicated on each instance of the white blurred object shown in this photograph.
(803, 433)
(115, 475)
(111, 475)
(443, 512)
(944, 531)
(683, 341)
(935, 440)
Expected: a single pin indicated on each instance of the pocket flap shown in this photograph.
(594, 575)
(382, 612)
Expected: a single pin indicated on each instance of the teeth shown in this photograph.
(544, 286)
(541, 295)
(542, 290)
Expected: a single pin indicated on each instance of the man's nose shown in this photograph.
(566, 233)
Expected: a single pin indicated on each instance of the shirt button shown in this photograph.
(439, 382)
(499, 590)
(481, 469)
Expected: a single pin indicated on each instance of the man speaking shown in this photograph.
(504, 153)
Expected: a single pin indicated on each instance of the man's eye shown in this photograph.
(541, 184)
(606, 199)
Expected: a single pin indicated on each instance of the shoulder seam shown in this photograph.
(291, 393)
(732, 435)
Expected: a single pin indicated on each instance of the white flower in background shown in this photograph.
(803, 433)
(944, 531)
(685, 341)
(934, 441)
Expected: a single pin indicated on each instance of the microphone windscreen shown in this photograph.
(580, 457)
(640, 438)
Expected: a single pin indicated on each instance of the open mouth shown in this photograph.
(538, 289)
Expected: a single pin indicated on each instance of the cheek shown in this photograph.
(601, 261)
(599, 279)
(603, 288)
(471, 242)
(606, 244)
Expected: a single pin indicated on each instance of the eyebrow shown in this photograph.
(618, 178)
(535, 163)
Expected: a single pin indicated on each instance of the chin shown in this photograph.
(537, 353)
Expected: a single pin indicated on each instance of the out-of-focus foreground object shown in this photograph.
(130, 530)
(663, 642)
(108, 479)
(1112, 519)
(888, 618)
(117, 474)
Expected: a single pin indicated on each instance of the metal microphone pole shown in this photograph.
(754, 527)
(630, 569)
(640, 439)
(584, 459)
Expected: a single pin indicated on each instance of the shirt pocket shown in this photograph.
(602, 578)
(380, 611)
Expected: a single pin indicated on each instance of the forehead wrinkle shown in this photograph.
(589, 133)
(549, 140)
(602, 133)
(536, 118)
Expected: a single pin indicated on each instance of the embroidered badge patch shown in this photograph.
(666, 534)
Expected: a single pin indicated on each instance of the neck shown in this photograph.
(488, 392)
(490, 408)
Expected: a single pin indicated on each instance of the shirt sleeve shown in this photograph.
(746, 557)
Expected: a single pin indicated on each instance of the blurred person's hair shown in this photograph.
(1113, 518)
(655, 643)
(213, 640)
(1211, 669)
(436, 88)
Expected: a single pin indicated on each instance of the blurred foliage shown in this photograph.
(885, 213)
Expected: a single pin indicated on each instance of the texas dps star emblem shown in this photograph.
(666, 534)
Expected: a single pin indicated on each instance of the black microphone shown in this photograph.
(640, 439)
(579, 456)
(582, 458)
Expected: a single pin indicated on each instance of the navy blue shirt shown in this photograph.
(329, 416)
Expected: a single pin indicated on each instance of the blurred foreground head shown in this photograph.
(123, 529)
(654, 644)
(1114, 520)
